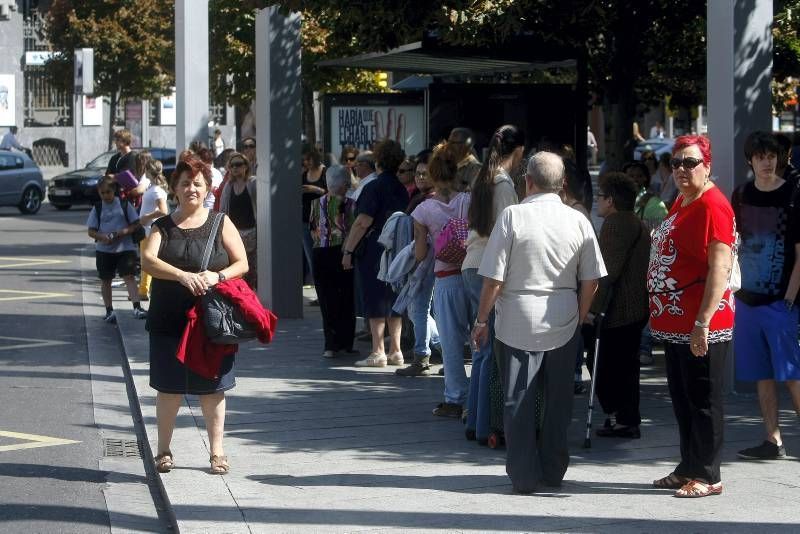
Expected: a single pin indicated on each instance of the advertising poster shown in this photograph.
(8, 99)
(167, 112)
(92, 111)
(363, 125)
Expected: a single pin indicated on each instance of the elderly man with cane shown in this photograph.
(540, 269)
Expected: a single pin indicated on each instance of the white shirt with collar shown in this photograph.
(540, 250)
(361, 185)
(10, 141)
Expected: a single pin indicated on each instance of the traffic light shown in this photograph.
(382, 79)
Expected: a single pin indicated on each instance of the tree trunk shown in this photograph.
(112, 117)
(619, 113)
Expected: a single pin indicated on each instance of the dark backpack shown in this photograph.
(138, 235)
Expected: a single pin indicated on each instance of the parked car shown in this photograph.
(80, 187)
(657, 144)
(21, 182)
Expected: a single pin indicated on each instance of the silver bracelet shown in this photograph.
(702, 325)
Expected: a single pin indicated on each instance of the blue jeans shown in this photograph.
(453, 312)
(478, 404)
(419, 313)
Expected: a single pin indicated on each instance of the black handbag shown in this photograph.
(224, 322)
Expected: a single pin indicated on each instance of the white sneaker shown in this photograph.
(111, 317)
(139, 313)
(395, 358)
(373, 360)
(328, 354)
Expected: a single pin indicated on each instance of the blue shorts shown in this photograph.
(765, 342)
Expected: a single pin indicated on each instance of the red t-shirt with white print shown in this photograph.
(679, 266)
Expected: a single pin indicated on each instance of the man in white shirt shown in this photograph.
(10, 140)
(365, 171)
(540, 269)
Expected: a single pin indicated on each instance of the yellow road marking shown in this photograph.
(27, 262)
(33, 441)
(29, 295)
(30, 343)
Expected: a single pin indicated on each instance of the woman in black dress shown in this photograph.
(238, 201)
(172, 255)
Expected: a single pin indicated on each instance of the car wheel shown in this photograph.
(62, 207)
(31, 201)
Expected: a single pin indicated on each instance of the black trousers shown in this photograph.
(335, 292)
(617, 376)
(695, 385)
(537, 451)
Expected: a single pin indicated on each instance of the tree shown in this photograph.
(786, 43)
(133, 42)
(232, 26)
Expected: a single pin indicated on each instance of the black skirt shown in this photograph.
(168, 375)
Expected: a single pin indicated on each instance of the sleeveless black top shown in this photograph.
(169, 300)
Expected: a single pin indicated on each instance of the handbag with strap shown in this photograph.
(224, 322)
(451, 243)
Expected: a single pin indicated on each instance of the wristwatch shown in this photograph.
(112, 235)
(480, 324)
(347, 252)
(221, 276)
(788, 303)
(702, 325)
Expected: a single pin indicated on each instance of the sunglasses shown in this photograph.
(248, 146)
(350, 159)
(238, 164)
(688, 163)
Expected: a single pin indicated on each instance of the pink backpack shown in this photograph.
(451, 243)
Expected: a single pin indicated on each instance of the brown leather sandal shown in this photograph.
(697, 488)
(219, 465)
(164, 462)
(671, 481)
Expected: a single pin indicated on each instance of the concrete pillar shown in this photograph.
(277, 107)
(191, 71)
(739, 72)
(739, 98)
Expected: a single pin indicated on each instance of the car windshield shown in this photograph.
(101, 161)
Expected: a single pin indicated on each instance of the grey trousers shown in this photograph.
(537, 455)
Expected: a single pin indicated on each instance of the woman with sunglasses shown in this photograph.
(238, 201)
(691, 311)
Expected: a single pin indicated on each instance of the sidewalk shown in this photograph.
(319, 445)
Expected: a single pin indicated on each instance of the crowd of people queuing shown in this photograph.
(497, 262)
(500, 260)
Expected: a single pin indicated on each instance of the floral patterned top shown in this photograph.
(678, 268)
(330, 220)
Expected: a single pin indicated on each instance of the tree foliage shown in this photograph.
(786, 43)
(232, 27)
(133, 42)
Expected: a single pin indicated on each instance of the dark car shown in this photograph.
(21, 183)
(80, 187)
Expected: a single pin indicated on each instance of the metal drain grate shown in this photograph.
(122, 448)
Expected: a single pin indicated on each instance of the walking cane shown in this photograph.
(587, 442)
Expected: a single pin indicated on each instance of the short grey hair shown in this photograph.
(366, 157)
(546, 171)
(337, 177)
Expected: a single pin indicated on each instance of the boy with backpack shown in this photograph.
(112, 223)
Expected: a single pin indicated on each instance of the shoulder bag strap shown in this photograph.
(210, 243)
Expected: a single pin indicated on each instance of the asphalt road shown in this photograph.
(45, 385)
